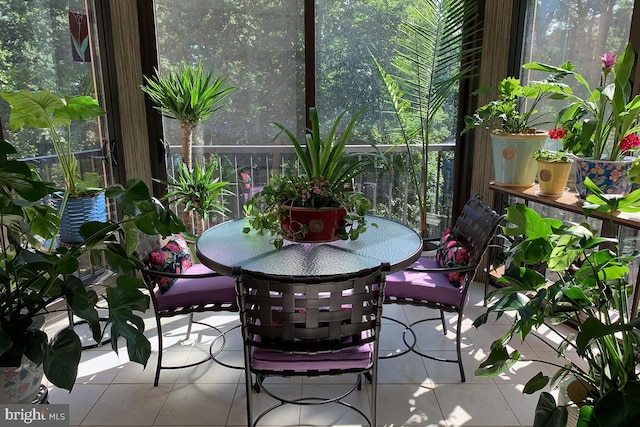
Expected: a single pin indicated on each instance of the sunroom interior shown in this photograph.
(283, 57)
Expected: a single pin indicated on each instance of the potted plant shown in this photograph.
(197, 191)
(289, 207)
(514, 121)
(602, 128)
(83, 199)
(190, 95)
(428, 50)
(554, 168)
(589, 288)
(33, 276)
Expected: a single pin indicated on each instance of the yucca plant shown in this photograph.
(189, 95)
(198, 191)
(427, 62)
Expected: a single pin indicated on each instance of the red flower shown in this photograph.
(628, 142)
(557, 133)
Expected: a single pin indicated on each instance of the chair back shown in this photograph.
(476, 226)
(311, 314)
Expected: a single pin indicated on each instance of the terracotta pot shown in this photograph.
(513, 162)
(553, 177)
(322, 224)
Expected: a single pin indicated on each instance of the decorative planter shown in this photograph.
(322, 224)
(78, 211)
(21, 384)
(553, 177)
(572, 394)
(513, 163)
(612, 177)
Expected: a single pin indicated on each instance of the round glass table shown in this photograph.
(225, 246)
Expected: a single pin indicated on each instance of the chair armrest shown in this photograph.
(442, 269)
(148, 272)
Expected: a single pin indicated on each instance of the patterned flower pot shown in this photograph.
(322, 224)
(77, 211)
(612, 177)
(21, 384)
(553, 177)
(513, 162)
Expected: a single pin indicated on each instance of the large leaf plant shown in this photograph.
(589, 287)
(33, 276)
(434, 39)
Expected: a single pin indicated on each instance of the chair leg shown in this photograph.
(247, 389)
(444, 323)
(458, 343)
(159, 364)
(189, 326)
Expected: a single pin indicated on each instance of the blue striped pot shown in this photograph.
(612, 177)
(78, 211)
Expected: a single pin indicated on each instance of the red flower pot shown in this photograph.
(322, 224)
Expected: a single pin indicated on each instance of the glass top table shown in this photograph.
(225, 246)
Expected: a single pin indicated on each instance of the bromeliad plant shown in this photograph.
(328, 171)
(32, 276)
(590, 285)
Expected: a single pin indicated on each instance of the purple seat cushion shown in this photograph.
(186, 292)
(350, 358)
(434, 287)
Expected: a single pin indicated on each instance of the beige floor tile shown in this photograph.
(288, 415)
(461, 405)
(212, 372)
(522, 405)
(334, 414)
(81, 400)
(408, 368)
(449, 373)
(128, 404)
(197, 404)
(408, 405)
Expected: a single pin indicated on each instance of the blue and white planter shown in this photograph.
(612, 177)
(77, 211)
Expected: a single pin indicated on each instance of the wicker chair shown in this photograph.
(196, 290)
(425, 283)
(310, 326)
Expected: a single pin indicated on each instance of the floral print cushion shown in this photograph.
(174, 257)
(453, 253)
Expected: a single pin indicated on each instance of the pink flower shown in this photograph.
(608, 61)
(557, 133)
(628, 142)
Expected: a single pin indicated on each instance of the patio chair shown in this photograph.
(443, 283)
(310, 326)
(194, 290)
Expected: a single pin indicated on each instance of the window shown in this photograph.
(51, 46)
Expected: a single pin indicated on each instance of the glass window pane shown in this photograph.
(47, 45)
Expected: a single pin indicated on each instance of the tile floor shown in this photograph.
(413, 391)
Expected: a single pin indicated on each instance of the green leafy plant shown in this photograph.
(427, 62)
(46, 110)
(589, 284)
(326, 181)
(515, 110)
(32, 276)
(189, 95)
(197, 191)
(553, 156)
(586, 124)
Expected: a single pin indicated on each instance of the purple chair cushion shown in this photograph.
(174, 257)
(186, 292)
(351, 358)
(434, 287)
(453, 253)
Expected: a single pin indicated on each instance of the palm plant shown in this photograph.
(189, 95)
(433, 41)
